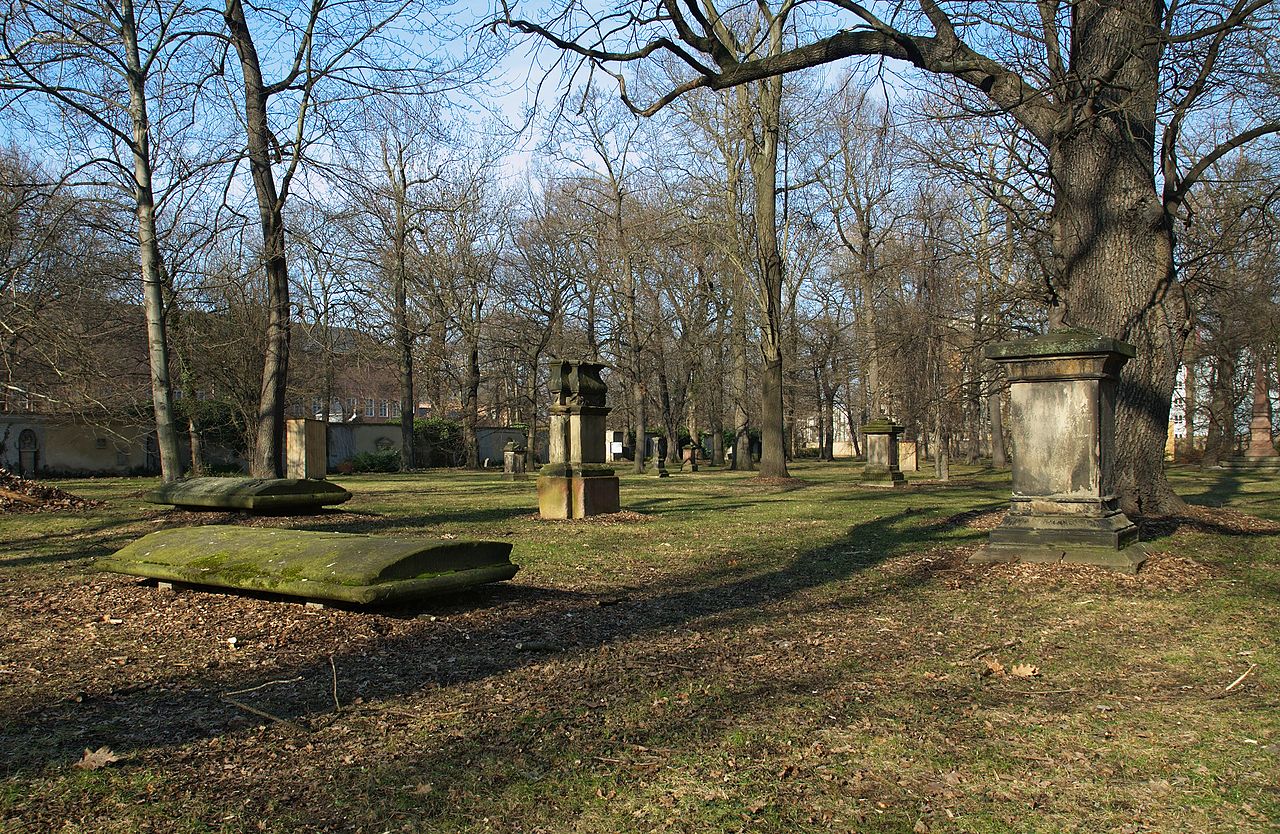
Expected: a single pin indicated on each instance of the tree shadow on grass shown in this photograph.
(522, 629)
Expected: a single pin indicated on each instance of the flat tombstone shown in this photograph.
(577, 482)
(306, 449)
(326, 566)
(268, 495)
(1062, 388)
(882, 454)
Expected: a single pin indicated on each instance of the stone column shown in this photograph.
(576, 482)
(658, 469)
(306, 449)
(882, 454)
(1062, 390)
(1260, 445)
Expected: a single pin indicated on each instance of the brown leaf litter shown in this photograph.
(19, 495)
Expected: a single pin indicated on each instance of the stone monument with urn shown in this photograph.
(577, 482)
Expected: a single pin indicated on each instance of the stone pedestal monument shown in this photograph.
(577, 482)
(1062, 390)
(1261, 452)
(306, 449)
(882, 454)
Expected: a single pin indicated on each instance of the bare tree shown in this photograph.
(1107, 88)
(94, 63)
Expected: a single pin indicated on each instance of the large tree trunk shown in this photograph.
(268, 447)
(153, 283)
(1113, 238)
(764, 165)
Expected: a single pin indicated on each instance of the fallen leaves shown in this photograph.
(20, 494)
(993, 668)
(96, 759)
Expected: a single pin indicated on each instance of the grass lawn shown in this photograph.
(726, 656)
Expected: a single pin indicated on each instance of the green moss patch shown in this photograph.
(329, 566)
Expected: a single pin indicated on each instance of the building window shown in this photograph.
(368, 407)
(384, 409)
(395, 408)
(315, 406)
(351, 408)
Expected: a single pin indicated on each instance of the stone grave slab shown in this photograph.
(341, 567)
(268, 495)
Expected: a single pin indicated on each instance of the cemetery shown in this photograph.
(549, 418)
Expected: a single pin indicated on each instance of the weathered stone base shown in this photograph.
(577, 496)
(890, 478)
(658, 472)
(1259, 464)
(515, 476)
(1109, 541)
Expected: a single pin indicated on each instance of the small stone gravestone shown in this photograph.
(909, 455)
(514, 461)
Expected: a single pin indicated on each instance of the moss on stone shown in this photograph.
(1065, 341)
(336, 566)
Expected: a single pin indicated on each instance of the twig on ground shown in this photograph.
(262, 686)
(1012, 641)
(337, 705)
(264, 714)
(1232, 686)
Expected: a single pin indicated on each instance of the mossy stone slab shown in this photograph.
(324, 566)
(258, 494)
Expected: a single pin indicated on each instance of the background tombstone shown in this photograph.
(1062, 389)
(306, 452)
(514, 461)
(1261, 452)
(908, 456)
(658, 465)
(690, 456)
(882, 454)
(576, 482)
